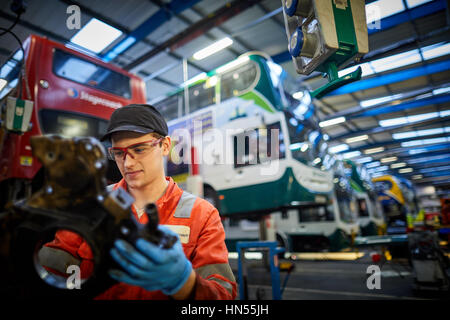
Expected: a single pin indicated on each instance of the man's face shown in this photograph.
(147, 164)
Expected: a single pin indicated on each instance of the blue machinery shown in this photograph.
(241, 247)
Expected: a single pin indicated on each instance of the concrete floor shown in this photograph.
(337, 280)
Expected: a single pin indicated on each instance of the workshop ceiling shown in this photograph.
(417, 82)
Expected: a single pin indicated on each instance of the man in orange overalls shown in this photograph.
(196, 267)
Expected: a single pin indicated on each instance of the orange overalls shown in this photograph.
(202, 236)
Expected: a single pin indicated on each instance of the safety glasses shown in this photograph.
(135, 150)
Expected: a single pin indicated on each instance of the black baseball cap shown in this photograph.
(142, 118)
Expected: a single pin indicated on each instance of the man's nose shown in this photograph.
(128, 160)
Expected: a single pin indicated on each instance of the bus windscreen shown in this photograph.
(76, 69)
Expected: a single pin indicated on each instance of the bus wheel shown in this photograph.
(210, 195)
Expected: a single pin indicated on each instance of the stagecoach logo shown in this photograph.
(97, 100)
(72, 92)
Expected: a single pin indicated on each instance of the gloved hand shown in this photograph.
(151, 267)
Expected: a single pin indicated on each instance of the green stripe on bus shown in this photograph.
(257, 98)
(18, 119)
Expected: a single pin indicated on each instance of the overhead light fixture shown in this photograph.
(200, 76)
(331, 122)
(213, 48)
(405, 170)
(339, 148)
(352, 154)
(388, 159)
(373, 164)
(398, 165)
(419, 133)
(357, 139)
(417, 177)
(441, 90)
(232, 64)
(373, 102)
(96, 36)
(414, 118)
(317, 160)
(364, 160)
(414, 143)
(374, 150)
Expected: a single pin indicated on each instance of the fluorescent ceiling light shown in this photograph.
(374, 150)
(388, 159)
(96, 35)
(428, 170)
(378, 169)
(352, 154)
(357, 139)
(383, 8)
(200, 76)
(373, 102)
(364, 160)
(417, 177)
(339, 148)
(232, 64)
(398, 165)
(317, 160)
(441, 90)
(399, 60)
(366, 70)
(373, 164)
(396, 61)
(405, 170)
(417, 151)
(436, 50)
(3, 84)
(412, 119)
(414, 3)
(424, 141)
(331, 122)
(213, 48)
(427, 159)
(419, 133)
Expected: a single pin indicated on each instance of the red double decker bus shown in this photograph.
(74, 94)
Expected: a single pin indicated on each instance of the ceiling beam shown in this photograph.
(197, 29)
(392, 77)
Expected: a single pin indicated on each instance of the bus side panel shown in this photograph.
(16, 159)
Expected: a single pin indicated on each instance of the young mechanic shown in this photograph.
(196, 267)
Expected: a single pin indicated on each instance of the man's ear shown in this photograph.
(166, 145)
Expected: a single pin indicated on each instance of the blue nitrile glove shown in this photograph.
(151, 267)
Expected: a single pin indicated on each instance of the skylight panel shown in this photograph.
(414, 3)
(396, 61)
(383, 8)
(96, 35)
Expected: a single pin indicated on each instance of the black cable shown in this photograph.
(12, 26)
(15, 36)
(23, 58)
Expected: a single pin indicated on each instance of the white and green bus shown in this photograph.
(259, 150)
(370, 211)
